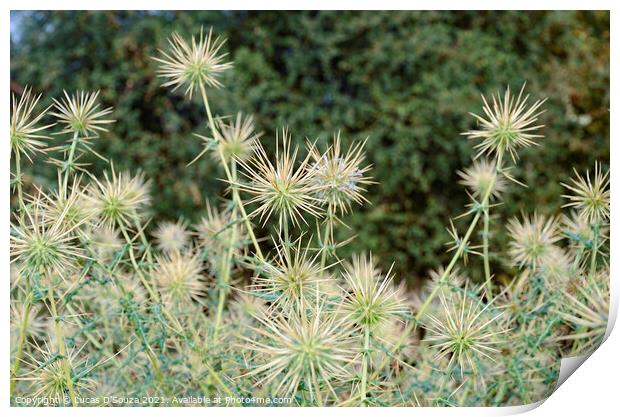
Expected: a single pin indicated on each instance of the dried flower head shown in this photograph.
(81, 115)
(26, 136)
(292, 279)
(532, 239)
(44, 246)
(509, 125)
(119, 198)
(281, 189)
(216, 231)
(171, 237)
(590, 197)
(236, 141)
(179, 278)
(312, 351)
(71, 203)
(371, 299)
(480, 176)
(466, 330)
(193, 65)
(340, 177)
(555, 266)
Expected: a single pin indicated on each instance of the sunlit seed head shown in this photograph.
(80, 114)
(532, 239)
(216, 231)
(466, 330)
(371, 297)
(298, 350)
(340, 177)
(26, 135)
(510, 124)
(42, 245)
(280, 189)
(481, 176)
(171, 237)
(119, 198)
(36, 322)
(291, 279)
(179, 278)
(590, 196)
(236, 140)
(193, 64)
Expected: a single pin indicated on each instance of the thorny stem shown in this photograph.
(18, 183)
(326, 241)
(62, 348)
(235, 192)
(22, 338)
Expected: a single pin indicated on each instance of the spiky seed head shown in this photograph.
(509, 125)
(46, 373)
(171, 237)
(119, 198)
(291, 279)
(590, 196)
(532, 239)
(313, 351)
(216, 230)
(371, 298)
(71, 203)
(36, 322)
(340, 177)
(193, 64)
(42, 245)
(179, 278)
(450, 282)
(80, 114)
(105, 241)
(466, 330)
(26, 134)
(481, 176)
(281, 189)
(555, 266)
(246, 306)
(236, 141)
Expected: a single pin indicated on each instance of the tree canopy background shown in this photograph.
(405, 80)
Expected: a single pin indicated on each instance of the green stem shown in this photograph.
(69, 163)
(595, 244)
(236, 197)
(62, 348)
(22, 337)
(365, 366)
(485, 253)
(18, 183)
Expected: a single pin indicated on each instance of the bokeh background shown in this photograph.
(406, 80)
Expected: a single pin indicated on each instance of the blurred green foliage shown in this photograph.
(406, 80)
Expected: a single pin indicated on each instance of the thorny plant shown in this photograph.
(99, 309)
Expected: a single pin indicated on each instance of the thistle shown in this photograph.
(590, 196)
(509, 125)
(532, 239)
(339, 177)
(291, 280)
(118, 198)
(42, 245)
(193, 65)
(313, 351)
(236, 141)
(171, 237)
(480, 176)
(281, 189)
(26, 134)
(81, 115)
(371, 299)
(464, 332)
(179, 278)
